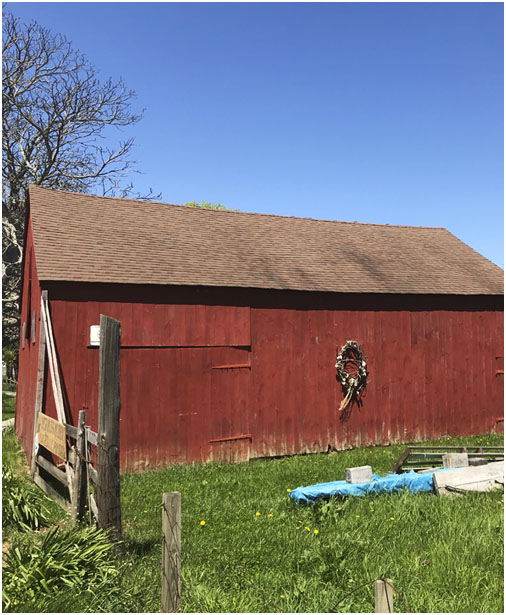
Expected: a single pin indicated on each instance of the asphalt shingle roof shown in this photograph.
(88, 238)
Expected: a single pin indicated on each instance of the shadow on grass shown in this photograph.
(141, 547)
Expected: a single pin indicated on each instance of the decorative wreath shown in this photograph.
(353, 383)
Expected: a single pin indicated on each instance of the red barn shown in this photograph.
(230, 324)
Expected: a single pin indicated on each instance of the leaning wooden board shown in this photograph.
(52, 435)
(477, 478)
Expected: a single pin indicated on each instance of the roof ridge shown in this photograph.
(228, 211)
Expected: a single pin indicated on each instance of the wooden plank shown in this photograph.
(473, 478)
(91, 436)
(60, 475)
(79, 479)
(49, 490)
(398, 464)
(53, 364)
(109, 404)
(39, 392)
(93, 473)
(171, 552)
(383, 596)
(93, 505)
(71, 431)
(52, 435)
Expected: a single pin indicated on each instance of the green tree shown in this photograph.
(208, 205)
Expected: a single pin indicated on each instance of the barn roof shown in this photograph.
(87, 238)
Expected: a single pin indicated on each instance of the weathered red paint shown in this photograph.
(201, 368)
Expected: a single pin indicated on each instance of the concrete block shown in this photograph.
(481, 478)
(455, 460)
(362, 474)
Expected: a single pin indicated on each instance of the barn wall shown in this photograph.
(28, 347)
(233, 374)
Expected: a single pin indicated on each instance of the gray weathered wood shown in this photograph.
(109, 404)
(51, 491)
(60, 475)
(39, 391)
(71, 431)
(91, 436)
(93, 474)
(383, 596)
(52, 360)
(79, 479)
(93, 506)
(171, 552)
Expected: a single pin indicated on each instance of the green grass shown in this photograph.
(8, 406)
(442, 554)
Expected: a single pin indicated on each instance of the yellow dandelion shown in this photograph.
(315, 531)
(202, 522)
(257, 514)
(269, 515)
(282, 596)
(307, 528)
(288, 490)
(357, 516)
(392, 518)
(299, 522)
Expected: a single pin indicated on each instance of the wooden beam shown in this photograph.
(91, 436)
(39, 391)
(60, 475)
(71, 431)
(80, 468)
(93, 506)
(53, 363)
(383, 596)
(171, 552)
(109, 404)
(51, 491)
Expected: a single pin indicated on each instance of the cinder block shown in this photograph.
(455, 460)
(362, 474)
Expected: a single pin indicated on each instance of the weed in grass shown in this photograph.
(24, 506)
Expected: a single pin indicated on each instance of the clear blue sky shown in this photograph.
(375, 112)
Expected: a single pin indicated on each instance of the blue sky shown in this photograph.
(388, 113)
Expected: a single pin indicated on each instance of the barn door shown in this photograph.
(230, 434)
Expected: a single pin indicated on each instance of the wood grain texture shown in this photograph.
(109, 404)
(171, 552)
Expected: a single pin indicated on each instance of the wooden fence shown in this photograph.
(68, 454)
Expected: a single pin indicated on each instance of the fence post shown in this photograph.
(109, 404)
(171, 552)
(383, 596)
(80, 469)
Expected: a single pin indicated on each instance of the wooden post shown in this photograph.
(383, 596)
(171, 552)
(41, 370)
(109, 404)
(79, 480)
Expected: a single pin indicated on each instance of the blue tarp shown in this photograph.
(391, 483)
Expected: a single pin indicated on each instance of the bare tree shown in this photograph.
(56, 116)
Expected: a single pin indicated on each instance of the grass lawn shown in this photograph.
(259, 552)
(8, 406)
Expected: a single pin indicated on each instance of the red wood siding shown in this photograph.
(28, 351)
(431, 360)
